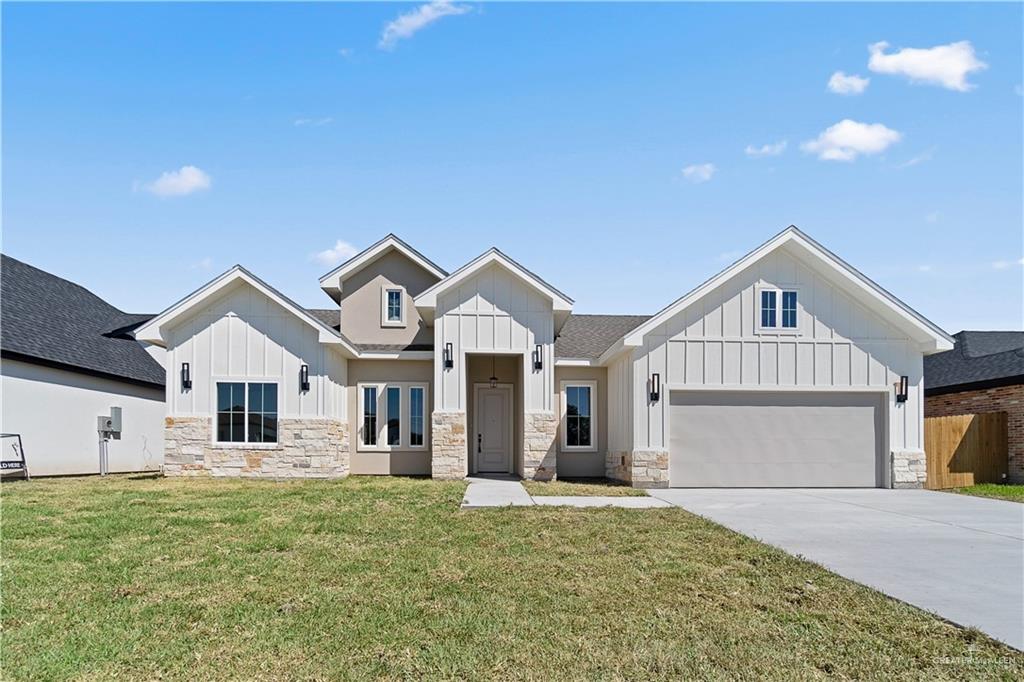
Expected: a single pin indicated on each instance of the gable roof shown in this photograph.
(929, 335)
(331, 282)
(560, 303)
(152, 330)
(588, 336)
(980, 359)
(49, 320)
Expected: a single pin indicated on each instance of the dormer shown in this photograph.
(375, 291)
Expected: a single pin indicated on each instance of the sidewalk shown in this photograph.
(507, 491)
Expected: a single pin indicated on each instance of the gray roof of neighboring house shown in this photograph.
(49, 320)
(979, 359)
(588, 336)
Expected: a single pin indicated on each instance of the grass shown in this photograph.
(581, 486)
(144, 578)
(1002, 491)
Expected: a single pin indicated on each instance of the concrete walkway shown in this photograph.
(507, 491)
(959, 557)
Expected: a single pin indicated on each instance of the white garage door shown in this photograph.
(746, 439)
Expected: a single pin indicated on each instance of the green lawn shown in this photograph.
(582, 486)
(143, 578)
(1013, 493)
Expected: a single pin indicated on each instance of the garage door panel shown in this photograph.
(735, 439)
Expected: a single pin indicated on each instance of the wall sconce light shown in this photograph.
(186, 377)
(902, 389)
(304, 377)
(655, 387)
(449, 362)
(538, 358)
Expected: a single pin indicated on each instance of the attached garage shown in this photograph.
(762, 439)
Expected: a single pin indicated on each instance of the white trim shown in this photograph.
(778, 329)
(510, 408)
(397, 355)
(372, 253)
(929, 335)
(244, 444)
(384, 292)
(361, 445)
(575, 362)
(404, 405)
(584, 383)
(771, 388)
(425, 417)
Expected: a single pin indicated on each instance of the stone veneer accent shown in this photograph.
(909, 469)
(540, 434)
(1008, 399)
(618, 466)
(649, 468)
(449, 450)
(307, 448)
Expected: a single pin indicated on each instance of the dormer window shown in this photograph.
(778, 310)
(393, 307)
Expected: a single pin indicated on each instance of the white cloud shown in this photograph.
(926, 155)
(933, 217)
(847, 140)
(698, 173)
(340, 252)
(945, 65)
(924, 268)
(185, 180)
(346, 52)
(406, 25)
(773, 149)
(1004, 264)
(313, 122)
(841, 84)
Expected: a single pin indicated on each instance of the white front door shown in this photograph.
(493, 437)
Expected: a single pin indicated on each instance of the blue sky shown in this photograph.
(147, 148)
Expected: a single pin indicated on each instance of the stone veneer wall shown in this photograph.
(649, 468)
(909, 469)
(449, 449)
(307, 448)
(618, 466)
(540, 432)
(1008, 399)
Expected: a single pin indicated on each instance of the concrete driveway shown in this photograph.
(957, 556)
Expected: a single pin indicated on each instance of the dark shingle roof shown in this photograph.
(588, 336)
(54, 321)
(329, 316)
(978, 357)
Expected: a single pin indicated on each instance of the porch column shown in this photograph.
(540, 429)
(449, 449)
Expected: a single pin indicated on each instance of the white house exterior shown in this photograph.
(789, 368)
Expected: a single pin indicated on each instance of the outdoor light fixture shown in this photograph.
(538, 362)
(304, 377)
(494, 376)
(448, 361)
(655, 387)
(901, 389)
(186, 377)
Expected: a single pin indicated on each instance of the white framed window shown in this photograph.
(246, 412)
(778, 310)
(393, 416)
(579, 416)
(392, 307)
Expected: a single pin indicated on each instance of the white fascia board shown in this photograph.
(367, 256)
(397, 355)
(575, 362)
(931, 337)
(559, 301)
(152, 331)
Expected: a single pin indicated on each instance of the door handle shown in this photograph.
(479, 441)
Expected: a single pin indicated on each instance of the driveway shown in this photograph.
(957, 556)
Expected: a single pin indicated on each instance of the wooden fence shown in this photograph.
(965, 449)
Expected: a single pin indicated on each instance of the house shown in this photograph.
(789, 368)
(66, 358)
(984, 372)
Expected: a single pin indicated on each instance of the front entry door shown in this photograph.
(493, 437)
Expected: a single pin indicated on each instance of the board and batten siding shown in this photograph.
(244, 335)
(715, 343)
(493, 312)
(620, 405)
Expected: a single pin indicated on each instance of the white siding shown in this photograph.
(494, 312)
(620, 405)
(243, 334)
(714, 343)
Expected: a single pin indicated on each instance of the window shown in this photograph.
(416, 416)
(779, 310)
(394, 407)
(392, 311)
(579, 415)
(246, 413)
(369, 415)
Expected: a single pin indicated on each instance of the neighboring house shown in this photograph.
(783, 370)
(67, 358)
(983, 373)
